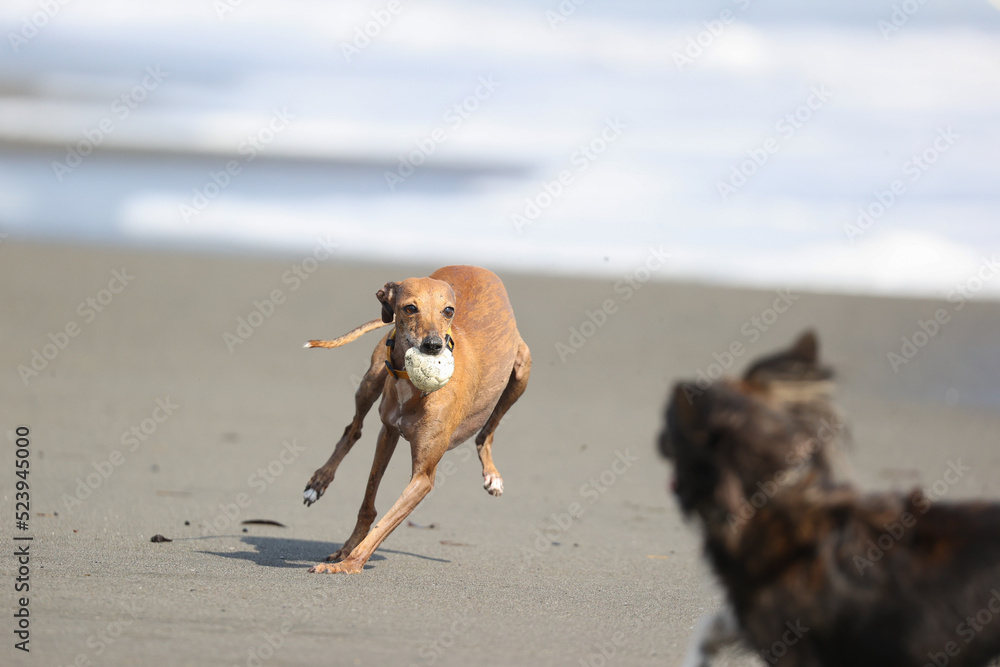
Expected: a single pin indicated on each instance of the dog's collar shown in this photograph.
(390, 343)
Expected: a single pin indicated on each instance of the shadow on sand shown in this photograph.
(291, 553)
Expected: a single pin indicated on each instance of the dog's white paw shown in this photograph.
(493, 485)
(310, 496)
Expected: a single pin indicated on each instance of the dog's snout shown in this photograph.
(432, 344)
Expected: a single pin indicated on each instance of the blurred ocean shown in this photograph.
(847, 146)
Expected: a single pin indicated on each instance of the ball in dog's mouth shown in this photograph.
(429, 372)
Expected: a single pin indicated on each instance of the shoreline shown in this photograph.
(229, 249)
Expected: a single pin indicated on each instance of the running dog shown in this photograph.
(458, 310)
(817, 573)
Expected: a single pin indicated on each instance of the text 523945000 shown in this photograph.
(22, 542)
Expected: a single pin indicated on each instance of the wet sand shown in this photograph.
(148, 417)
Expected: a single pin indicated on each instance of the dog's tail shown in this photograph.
(349, 336)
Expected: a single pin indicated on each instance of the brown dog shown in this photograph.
(817, 573)
(792, 395)
(492, 365)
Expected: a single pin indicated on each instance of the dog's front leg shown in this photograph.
(420, 485)
(425, 460)
(387, 439)
(366, 395)
(712, 634)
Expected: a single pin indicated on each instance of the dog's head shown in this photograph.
(733, 440)
(422, 308)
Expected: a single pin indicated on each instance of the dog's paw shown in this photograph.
(310, 495)
(344, 567)
(339, 555)
(493, 485)
(316, 486)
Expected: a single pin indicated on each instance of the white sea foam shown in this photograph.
(686, 130)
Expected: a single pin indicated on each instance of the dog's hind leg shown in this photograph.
(516, 384)
(387, 439)
(364, 398)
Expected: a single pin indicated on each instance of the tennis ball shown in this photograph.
(429, 372)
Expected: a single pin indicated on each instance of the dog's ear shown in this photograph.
(800, 362)
(806, 348)
(686, 412)
(683, 417)
(387, 297)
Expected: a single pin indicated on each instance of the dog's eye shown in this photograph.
(449, 312)
(409, 310)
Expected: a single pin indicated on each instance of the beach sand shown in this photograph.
(148, 419)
